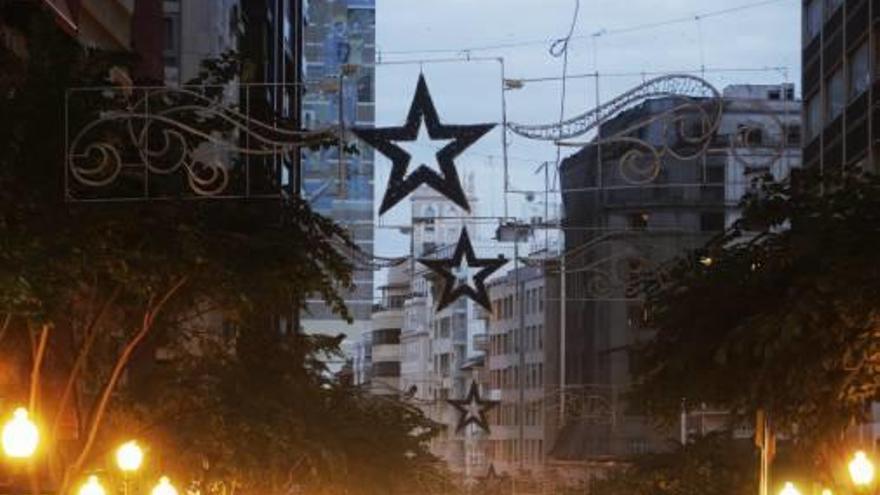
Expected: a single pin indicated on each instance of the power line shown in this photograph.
(601, 33)
(708, 70)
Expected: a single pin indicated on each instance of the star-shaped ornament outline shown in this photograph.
(452, 289)
(466, 408)
(422, 111)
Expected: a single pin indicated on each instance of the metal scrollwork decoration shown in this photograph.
(687, 124)
(143, 143)
(588, 404)
(691, 88)
(609, 269)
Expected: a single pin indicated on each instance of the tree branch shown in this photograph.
(149, 318)
(90, 337)
(6, 321)
(35, 370)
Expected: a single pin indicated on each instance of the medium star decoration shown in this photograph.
(458, 138)
(453, 288)
(472, 409)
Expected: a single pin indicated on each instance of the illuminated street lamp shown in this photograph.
(789, 489)
(92, 487)
(20, 435)
(861, 469)
(129, 457)
(164, 487)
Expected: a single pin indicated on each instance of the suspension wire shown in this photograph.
(608, 32)
(707, 70)
(557, 49)
(699, 23)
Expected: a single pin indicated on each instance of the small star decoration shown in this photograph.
(453, 288)
(472, 409)
(423, 114)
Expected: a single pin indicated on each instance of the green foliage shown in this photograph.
(270, 416)
(784, 319)
(712, 465)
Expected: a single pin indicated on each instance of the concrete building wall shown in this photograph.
(620, 224)
(387, 324)
(518, 441)
(197, 30)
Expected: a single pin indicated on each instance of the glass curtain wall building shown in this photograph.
(340, 47)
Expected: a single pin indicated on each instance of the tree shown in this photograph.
(712, 465)
(780, 313)
(260, 410)
(103, 285)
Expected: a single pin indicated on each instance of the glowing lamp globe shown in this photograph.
(129, 456)
(789, 489)
(92, 487)
(861, 469)
(20, 435)
(164, 487)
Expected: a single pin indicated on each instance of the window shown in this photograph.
(794, 135)
(831, 7)
(836, 95)
(715, 174)
(637, 317)
(774, 94)
(859, 71)
(386, 369)
(172, 40)
(528, 307)
(814, 117)
(812, 20)
(711, 221)
(638, 221)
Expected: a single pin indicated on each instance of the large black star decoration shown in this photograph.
(400, 185)
(472, 409)
(453, 288)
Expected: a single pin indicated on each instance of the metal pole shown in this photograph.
(522, 351)
(340, 188)
(683, 425)
(562, 330)
(764, 471)
(504, 144)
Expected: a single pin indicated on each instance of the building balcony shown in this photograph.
(386, 353)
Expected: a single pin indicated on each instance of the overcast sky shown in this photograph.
(758, 37)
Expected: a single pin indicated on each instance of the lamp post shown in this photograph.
(92, 486)
(789, 489)
(164, 487)
(129, 457)
(861, 470)
(20, 435)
